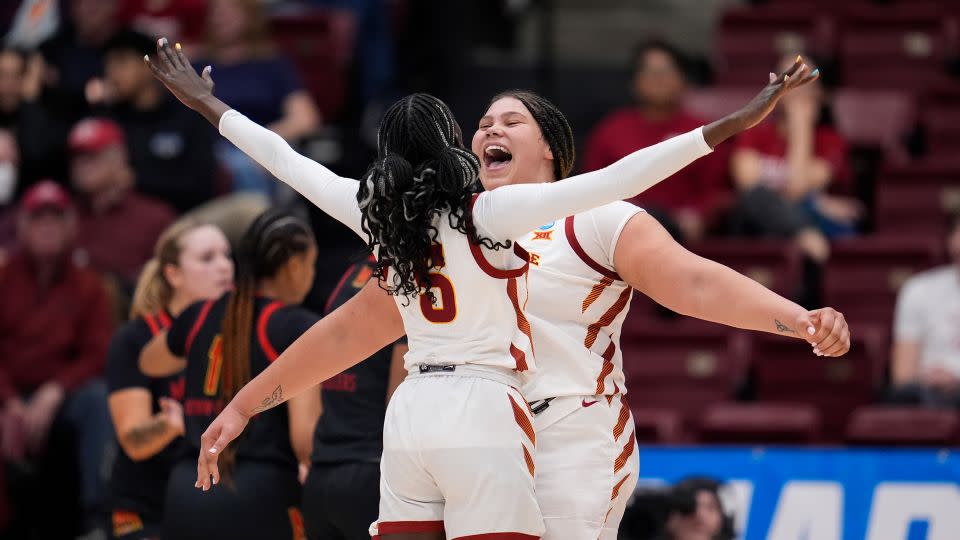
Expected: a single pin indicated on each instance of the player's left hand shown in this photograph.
(797, 75)
(825, 330)
(226, 427)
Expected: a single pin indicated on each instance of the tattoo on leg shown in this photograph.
(270, 401)
(783, 328)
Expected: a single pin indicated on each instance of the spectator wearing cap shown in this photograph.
(117, 228)
(685, 202)
(926, 334)
(55, 327)
(169, 146)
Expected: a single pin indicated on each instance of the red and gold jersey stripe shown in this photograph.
(595, 293)
(594, 329)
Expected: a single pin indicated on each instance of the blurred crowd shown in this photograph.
(97, 160)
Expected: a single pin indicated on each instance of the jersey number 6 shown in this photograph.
(444, 310)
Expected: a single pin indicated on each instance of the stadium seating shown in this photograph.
(902, 426)
(658, 425)
(760, 423)
(877, 118)
(788, 372)
(940, 119)
(682, 365)
(913, 200)
(716, 102)
(320, 44)
(864, 275)
(752, 40)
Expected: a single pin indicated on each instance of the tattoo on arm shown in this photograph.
(783, 328)
(271, 401)
(147, 433)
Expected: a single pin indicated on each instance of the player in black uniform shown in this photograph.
(226, 342)
(191, 262)
(341, 494)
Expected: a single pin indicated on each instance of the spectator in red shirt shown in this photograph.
(55, 327)
(178, 20)
(684, 201)
(782, 169)
(117, 228)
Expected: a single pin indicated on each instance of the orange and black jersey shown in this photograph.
(141, 486)
(355, 401)
(195, 335)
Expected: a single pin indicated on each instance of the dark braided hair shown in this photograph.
(422, 171)
(554, 126)
(269, 242)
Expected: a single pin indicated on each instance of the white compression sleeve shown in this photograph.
(509, 212)
(335, 195)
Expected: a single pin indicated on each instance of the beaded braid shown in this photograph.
(423, 170)
(554, 126)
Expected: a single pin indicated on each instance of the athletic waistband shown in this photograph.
(501, 375)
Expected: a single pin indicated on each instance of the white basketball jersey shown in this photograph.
(477, 316)
(578, 304)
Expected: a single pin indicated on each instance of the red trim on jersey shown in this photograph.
(165, 320)
(400, 527)
(204, 311)
(152, 323)
(594, 329)
(522, 323)
(531, 466)
(622, 419)
(340, 284)
(523, 420)
(492, 270)
(571, 235)
(519, 358)
(262, 336)
(499, 536)
(607, 368)
(624, 454)
(595, 293)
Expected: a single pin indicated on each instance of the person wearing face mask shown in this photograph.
(117, 227)
(55, 326)
(191, 262)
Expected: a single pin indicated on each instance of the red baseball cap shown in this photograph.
(46, 194)
(94, 134)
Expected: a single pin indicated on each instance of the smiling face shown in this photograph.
(511, 146)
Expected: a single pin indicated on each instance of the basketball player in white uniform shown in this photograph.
(470, 369)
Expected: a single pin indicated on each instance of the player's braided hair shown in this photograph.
(554, 126)
(422, 171)
(269, 242)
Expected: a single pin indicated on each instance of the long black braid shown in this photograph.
(422, 171)
(554, 126)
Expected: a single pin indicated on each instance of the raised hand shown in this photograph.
(762, 105)
(826, 331)
(226, 427)
(174, 70)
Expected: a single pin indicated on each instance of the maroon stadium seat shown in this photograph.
(940, 118)
(913, 200)
(714, 103)
(760, 423)
(897, 46)
(658, 425)
(863, 275)
(773, 263)
(902, 426)
(683, 365)
(877, 118)
(752, 40)
(787, 371)
(320, 44)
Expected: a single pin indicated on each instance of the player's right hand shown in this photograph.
(172, 68)
(226, 427)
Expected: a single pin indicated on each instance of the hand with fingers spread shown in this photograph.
(826, 331)
(173, 69)
(751, 114)
(226, 427)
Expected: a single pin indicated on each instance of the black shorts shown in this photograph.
(340, 502)
(260, 501)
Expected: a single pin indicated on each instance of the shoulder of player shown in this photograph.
(280, 313)
(618, 209)
(934, 277)
(134, 331)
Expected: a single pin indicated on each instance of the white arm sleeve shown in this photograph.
(512, 211)
(335, 195)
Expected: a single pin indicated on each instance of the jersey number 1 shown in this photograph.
(443, 292)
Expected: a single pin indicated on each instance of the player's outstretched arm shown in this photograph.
(331, 193)
(512, 211)
(653, 263)
(362, 326)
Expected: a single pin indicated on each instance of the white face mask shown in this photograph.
(8, 182)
